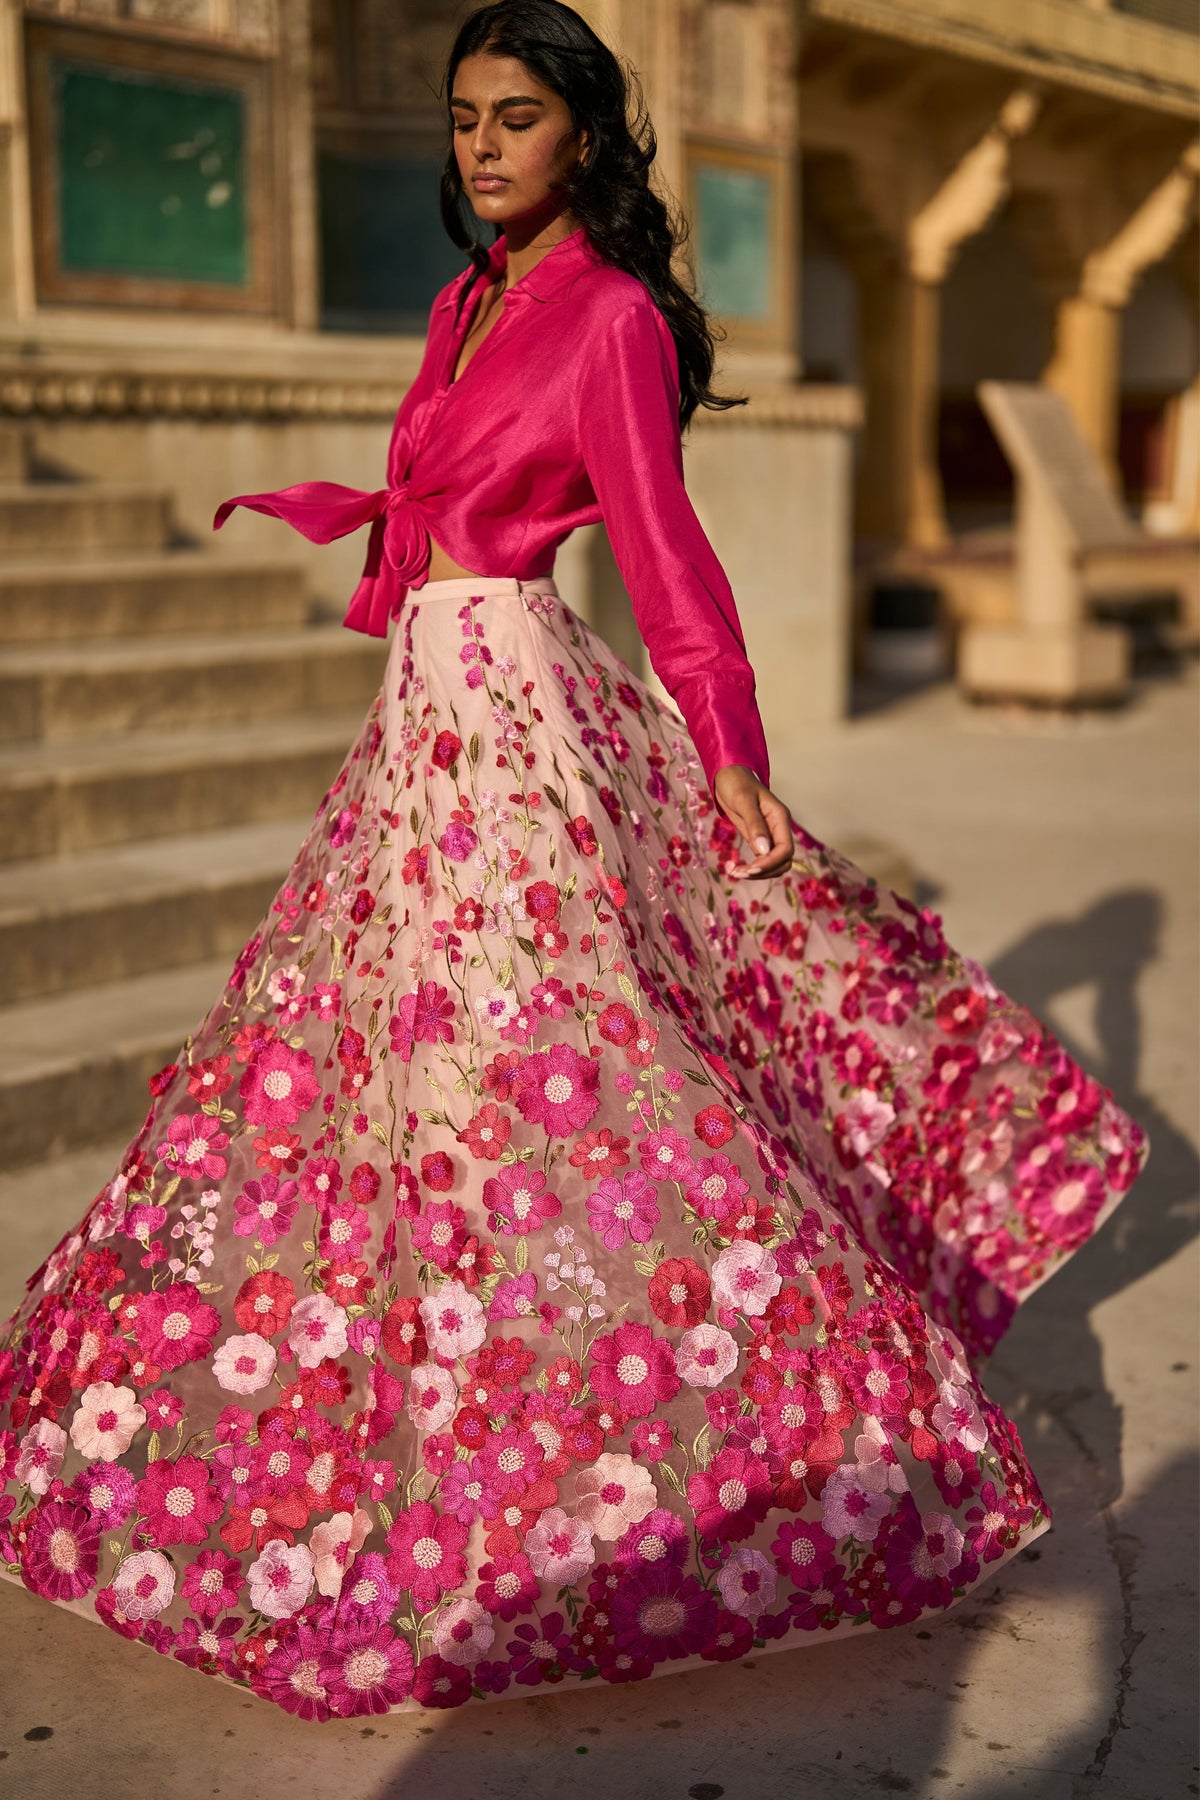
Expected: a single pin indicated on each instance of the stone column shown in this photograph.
(17, 293)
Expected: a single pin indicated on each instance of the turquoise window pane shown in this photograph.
(151, 176)
(734, 228)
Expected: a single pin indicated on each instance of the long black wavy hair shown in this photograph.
(610, 195)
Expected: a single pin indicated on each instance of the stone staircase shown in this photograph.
(168, 722)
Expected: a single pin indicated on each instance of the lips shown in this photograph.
(489, 181)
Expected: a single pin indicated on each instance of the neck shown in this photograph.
(527, 240)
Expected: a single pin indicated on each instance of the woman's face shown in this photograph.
(513, 138)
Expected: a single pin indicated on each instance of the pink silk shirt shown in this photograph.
(566, 414)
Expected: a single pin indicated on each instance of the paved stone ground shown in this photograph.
(1062, 854)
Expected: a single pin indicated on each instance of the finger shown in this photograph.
(774, 852)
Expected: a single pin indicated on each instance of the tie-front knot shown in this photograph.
(405, 545)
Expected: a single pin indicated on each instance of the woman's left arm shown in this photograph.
(682, 600)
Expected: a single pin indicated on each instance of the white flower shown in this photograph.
(957, 1419)
(144, 1585)
(108, 1420)
(317, 1329)
(705, 1355)
(243, 1365)
(454, 1320)
(747, 1582)
(462, 1632)
(281, 1579)
(432, 1397)
(559, 1548)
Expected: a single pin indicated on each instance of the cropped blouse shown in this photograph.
(567, 414)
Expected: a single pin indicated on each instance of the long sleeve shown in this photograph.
(682, 600)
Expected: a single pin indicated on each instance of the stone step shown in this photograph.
(57, 691)
(69, 519)
(42, 1202)
(81, 921)
(67, 798)
(136, 596)
(73, 1070)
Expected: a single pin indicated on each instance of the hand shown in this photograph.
(764, 822)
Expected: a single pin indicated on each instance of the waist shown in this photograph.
(479, 587)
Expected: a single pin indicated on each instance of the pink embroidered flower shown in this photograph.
(366, 1668)
(921, 1553)
(680, 1291)
(280, 1579)
(432, 1397)
(705, 1355)
(278, 1085)
(864, 1122)
(747, 1582)
(107, 1421)
(634, 1369)
(622, 1208)
(266, 1209)
(560, 1549)
(731, 1496)
(427, 1553)
(321, 1180)
(334, 1544)
(1064, 1204)
(745, 1278)
(144, 1585)
(193, 1146)
(178, 1501)
(717, 1187)
(317, 1329)
(62, 1551)
(508, 1585)
(423, 1017)
(519, 1199)
(176, 1325)
(454, 1320)
(662, 1612)
(212, 1583)
(264, 1303)
(243, 1365)
(613, 1494)
(463, 1632)
(849, 1508)
(559, 1090)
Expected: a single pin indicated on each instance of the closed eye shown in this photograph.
(529, 123)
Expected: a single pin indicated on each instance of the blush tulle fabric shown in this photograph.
(550, 1261)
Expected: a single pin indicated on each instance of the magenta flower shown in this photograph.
(176, 1325)
(520, 1200)
(266, 1209)
(62, 1551)
(193, 1145)
(731, 1496)
(212, 1583)
(458, 841)
(427, 1553)
(508, 1586)
(426, 1017)
(291, 1675)
(633, 1369)
(558, 1089)
(921, 1552)
(278, 1086)
(623, 1207)
(662, 1612)
(1065, 1202)
(365, 1668)
(178, 1501)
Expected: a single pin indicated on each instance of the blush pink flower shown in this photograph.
(560, 1549)
(745, 1278)
(705, 1355)
(463, 1632)
(243, 1365)
(849, 1508)
(281, 1579)
(747, 1582)
(107, 1421)
(144, 1585)
(432, 1397)
(454, 1320)
(317, 1329)
(614, 1493)
(334, 1544)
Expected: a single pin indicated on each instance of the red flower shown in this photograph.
(264, 1303)
(680, 1291)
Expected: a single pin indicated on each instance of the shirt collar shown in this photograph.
(549, 279)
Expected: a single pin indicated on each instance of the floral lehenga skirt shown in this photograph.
(550, 1259)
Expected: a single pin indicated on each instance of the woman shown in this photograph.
(548, 1260)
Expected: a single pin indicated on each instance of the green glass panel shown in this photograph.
(384, 252)
(734, 230)
(151, 175)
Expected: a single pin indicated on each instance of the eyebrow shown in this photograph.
(513, 100)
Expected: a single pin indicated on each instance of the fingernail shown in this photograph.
(762, 845)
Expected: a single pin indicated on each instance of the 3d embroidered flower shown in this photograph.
(107, 1421)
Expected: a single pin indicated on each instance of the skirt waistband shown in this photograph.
(476, 587)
